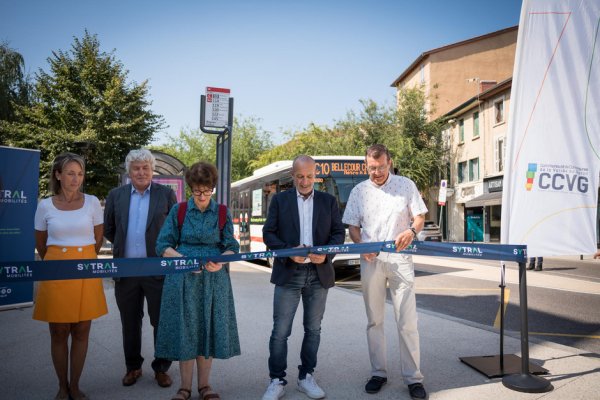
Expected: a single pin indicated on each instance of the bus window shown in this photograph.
(235, 204)
(245, 200)
(270, 190)
(344, 187)
(285, 184)
(336, 175)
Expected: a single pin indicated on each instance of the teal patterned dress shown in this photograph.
(197, 314)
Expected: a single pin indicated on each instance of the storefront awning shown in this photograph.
(488, 199)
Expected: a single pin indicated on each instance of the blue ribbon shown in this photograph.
(23, 271)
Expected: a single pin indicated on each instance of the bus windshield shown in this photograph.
(340, 187)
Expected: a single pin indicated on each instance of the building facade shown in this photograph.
(450, 76)
(476, 134)
(468, 84)
(454, 73)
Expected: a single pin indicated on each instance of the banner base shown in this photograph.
(17, 305)
(490, 365)
(527, 383)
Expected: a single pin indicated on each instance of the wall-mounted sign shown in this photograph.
(495, 184)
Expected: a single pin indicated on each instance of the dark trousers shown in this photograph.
(304, 284)
(130, 294)
(540, 261)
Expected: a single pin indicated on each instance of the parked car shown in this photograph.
(431, 232)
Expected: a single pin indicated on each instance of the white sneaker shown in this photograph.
(310, 388)
(275, 391)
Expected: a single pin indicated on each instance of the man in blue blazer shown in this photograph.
(300, 217)
(133, 216)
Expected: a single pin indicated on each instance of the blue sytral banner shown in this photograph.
(19, 172)
(122, 267)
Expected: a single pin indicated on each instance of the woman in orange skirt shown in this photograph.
(69, 225)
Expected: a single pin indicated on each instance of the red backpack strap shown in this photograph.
(222, 216)
(222, 222)
(181, 214)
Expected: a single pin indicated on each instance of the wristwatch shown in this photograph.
(414, 231)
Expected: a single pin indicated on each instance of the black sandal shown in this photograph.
(182, 394)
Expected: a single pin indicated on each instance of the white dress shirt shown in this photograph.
(305, 212)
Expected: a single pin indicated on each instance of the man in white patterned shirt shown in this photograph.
(382, 209)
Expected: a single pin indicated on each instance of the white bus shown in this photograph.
(250, 197)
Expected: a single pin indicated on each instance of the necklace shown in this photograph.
(77, 197)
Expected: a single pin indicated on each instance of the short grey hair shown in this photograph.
(143, 155)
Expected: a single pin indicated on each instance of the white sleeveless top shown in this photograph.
(69, 228)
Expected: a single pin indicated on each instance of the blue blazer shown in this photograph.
(282, 230)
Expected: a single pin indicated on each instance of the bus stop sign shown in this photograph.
(217, 108)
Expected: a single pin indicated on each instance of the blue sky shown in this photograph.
(288, 63)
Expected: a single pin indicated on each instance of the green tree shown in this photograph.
(85, 102)
(414, 142)
(249, 141)
(315, 141)
(373, 124)
(14, 84)
(418, 150)
(189, 146)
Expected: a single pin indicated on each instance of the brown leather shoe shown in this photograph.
(163, 379)
(131, 377)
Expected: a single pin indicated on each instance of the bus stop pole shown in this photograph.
(223, 150)
(224, 160)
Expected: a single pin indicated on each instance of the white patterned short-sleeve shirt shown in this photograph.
(382, 212)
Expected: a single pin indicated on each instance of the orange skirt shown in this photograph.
(72, 300)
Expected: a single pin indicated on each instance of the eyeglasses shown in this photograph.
(379, 169)
(198, 192)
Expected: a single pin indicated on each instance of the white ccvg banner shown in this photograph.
(550, 193)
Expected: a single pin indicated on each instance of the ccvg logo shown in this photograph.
(558, 178)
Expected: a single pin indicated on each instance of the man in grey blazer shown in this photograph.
(133, 216)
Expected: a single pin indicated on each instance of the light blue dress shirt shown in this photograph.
(135, 243)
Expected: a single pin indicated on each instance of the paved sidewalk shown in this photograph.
(476, 270)
(26, 368)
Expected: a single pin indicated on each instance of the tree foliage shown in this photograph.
(419, 151)
(249, 141)
(414, 142)
(189, 146)
(14, 84)
(314, 140)
(84, 104)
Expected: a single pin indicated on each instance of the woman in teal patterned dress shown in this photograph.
(197, 320)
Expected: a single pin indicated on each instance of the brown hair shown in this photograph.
(57, 166)
(202, 174)
(377, 150)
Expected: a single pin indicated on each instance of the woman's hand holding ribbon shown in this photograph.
(214, 267)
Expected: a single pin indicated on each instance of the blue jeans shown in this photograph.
(305, 283)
